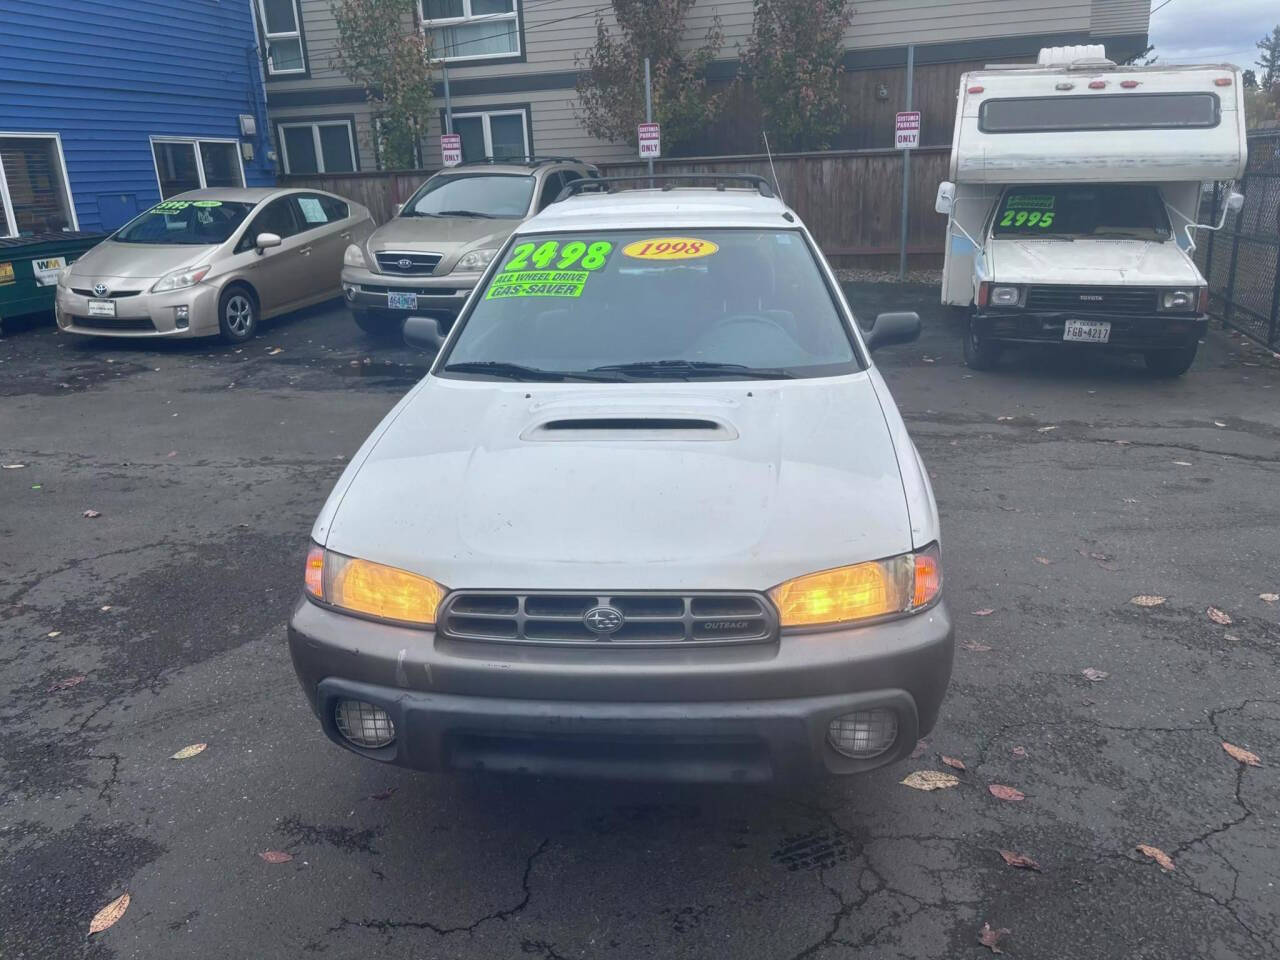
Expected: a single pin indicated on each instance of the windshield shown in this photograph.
(629, 305)
(481, 195)
(1083, 210)
(194, 222)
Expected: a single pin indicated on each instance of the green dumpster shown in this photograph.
(29, 268)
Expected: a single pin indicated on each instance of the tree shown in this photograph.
(1143, 58)
(1249, 79)
(793, 63)
(611, 86)
(381, 48)
(1269, 60)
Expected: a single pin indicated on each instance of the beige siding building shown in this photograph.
(513, 67)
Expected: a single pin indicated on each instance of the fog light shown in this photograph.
(364, 724)
(350, 292)
(182, 315)
(864, 734)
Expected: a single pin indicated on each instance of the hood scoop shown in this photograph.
(630, 427)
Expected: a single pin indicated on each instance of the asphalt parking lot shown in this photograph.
(1066, 487)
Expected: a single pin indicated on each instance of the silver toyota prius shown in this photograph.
(211, 262)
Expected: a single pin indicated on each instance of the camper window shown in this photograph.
(1082, 210)
(1128, 111)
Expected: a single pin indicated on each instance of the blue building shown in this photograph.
(108, 106)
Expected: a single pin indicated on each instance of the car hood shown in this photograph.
(440, 234)
(1116, 262)
(142, 261)
(467, 485)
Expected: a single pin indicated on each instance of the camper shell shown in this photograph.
(1073, 202)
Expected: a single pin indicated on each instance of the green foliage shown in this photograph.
(611, 88)
(1269, 60)
(793, 63)
(381, 48)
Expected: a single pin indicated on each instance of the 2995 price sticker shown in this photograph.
(669, 248)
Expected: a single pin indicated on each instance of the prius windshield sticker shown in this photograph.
(1029, 210)
(543, 270)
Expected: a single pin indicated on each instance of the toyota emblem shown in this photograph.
(404, 263)
(100, 289)
(603, 620)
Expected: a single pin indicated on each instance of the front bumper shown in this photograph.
(441, 296)
(143, 315)
(1128, 331)
(746, 713)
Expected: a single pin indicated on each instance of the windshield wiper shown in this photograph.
(694, 368)
(516, 371)
(464, 213)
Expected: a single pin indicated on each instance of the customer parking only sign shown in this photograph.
(907, 130)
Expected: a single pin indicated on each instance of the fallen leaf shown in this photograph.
(1156, 854)
(37, 486)
(930, 780)
(1218, 423)
(984, 612)
(1001, 792)
(1003, 419)
(955, 763)
(66, 683)
(276, 856)
(109, 915)
(171, 453)
(187, 752)
(54, 633)
(1102, 557)
(1130, 499)
(1147, 600)
(989, 937)
(1020, 752)
(383, 794)
(1182, 463)
(14, 466)
(1241, 754)
(104, 609)
(1094, 675)
(1043, 561)
(91, 514)
(1045, 429)
(1123, 443)
(1218, 616)
(976, 647)
(1019, 860)
(1269, 597)
(921, 747)
(272, 353)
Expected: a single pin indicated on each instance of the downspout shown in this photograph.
(259, 106)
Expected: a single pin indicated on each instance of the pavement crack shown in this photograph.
(113, 780)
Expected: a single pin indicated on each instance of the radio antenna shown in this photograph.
(769, 154)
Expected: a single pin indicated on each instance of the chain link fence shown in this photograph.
(1242, 261)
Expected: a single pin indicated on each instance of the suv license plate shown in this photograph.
(402, 301)
(1088, 331)
(102, 308)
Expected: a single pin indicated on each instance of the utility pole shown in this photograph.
(448, 104)
(648, 111)
(906, 171)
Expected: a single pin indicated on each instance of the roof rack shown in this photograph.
(525, 160)
(762, 185)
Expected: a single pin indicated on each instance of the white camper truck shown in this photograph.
(1073, 203)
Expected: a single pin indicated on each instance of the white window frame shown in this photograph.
(195, 145)
(467, 19)
(315, 126)
(294, 34)
(484, 116)
(10, 221)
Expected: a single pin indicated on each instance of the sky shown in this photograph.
(1187, 31)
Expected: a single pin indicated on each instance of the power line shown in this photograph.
(1159, 8)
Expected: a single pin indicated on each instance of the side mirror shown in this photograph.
(266, 240)
(891, 328)
(1235, 202)
(423, 333)
(945, 203)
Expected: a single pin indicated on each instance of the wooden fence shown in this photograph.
(851, 200)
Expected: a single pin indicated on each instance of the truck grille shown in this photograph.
(407, 264)
(1073, 299)
(647, 619)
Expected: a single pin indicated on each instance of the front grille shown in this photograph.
(1080, 299)
(115, 323)
(114, 294)
(407, 264)
(647, 619)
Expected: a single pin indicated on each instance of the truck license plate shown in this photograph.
(1088, 331)
(102, 308)
(402, 301)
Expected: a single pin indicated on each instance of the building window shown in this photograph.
(282, 28)
(498, 134)
(318, 147)
(34, 194)
(183, 165)
(465, 29)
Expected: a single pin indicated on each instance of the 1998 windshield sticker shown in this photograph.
(543, 270)
(670, 248)
(1029, 210)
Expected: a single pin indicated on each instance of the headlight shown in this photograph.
(178, 279)
(475, 260)
(863, 591)
(1179, 300)
(364, 587)
(1005, 296)
(354, 257)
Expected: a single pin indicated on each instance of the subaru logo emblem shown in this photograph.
(603, 620)
(100, 289)
(404, 263)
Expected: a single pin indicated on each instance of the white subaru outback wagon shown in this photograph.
(652, 514)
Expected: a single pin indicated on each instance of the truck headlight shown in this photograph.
(180, 279)
(371, 589)
(863, 591)
(1005, 296)
(1180, 300)
(354, 257)
(475, 260)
